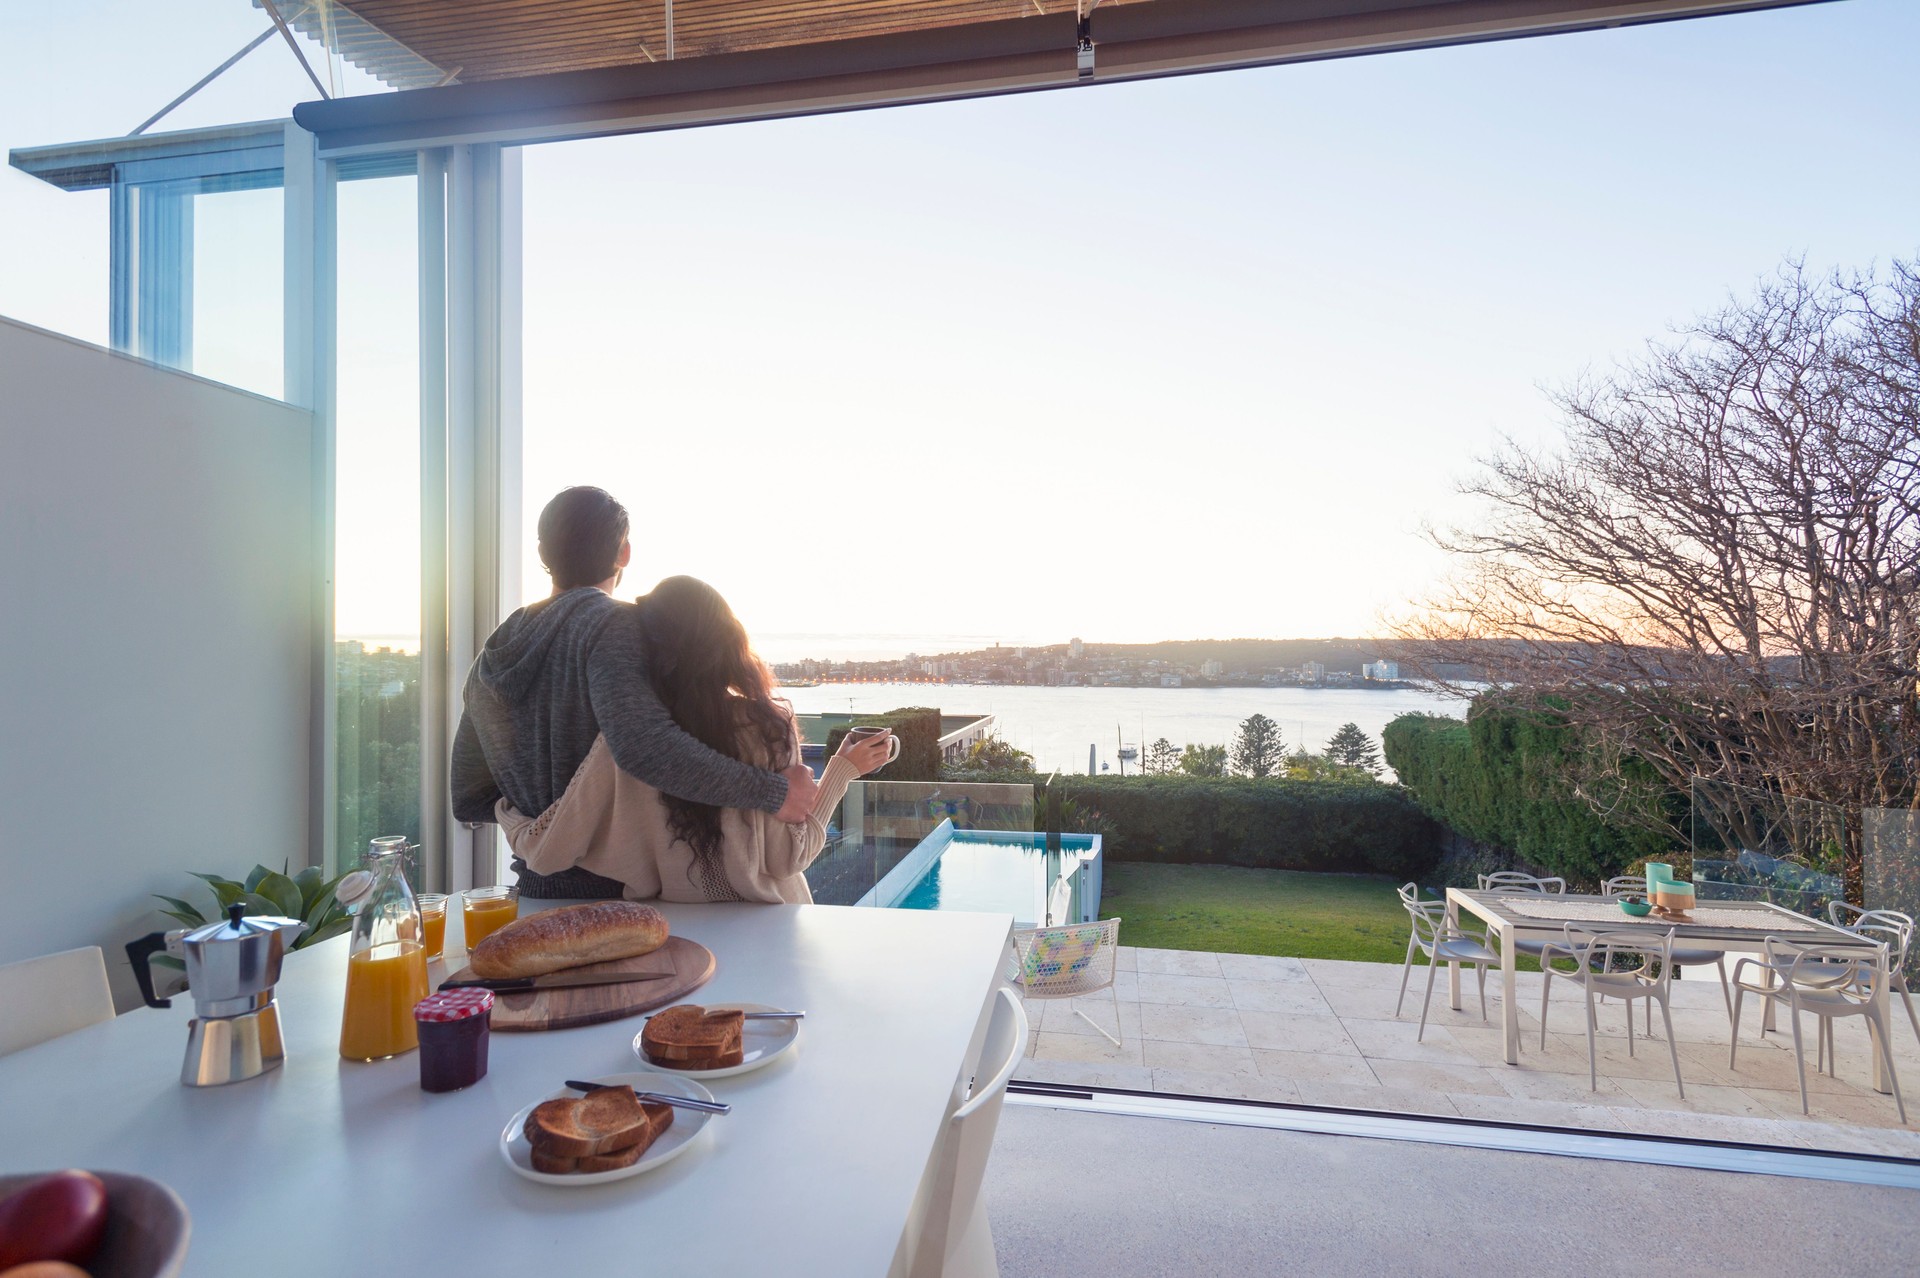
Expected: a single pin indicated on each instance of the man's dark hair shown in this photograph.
(581, 532)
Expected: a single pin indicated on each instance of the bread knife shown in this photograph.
(554, 981)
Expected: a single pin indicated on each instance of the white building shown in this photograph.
(1313, 671)
(1075, 648)
(1212, 669)
(1381, 670)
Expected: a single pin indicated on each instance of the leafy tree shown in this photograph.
(1163, 758)
(995, 754)
(1204, 761)
(1301, 766)
(1354, 749)
(1259, 750)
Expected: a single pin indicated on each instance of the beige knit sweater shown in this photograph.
(612, 824)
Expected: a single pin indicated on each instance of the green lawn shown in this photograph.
(1235, 911)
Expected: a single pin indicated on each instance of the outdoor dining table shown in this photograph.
(1736, 926)
(326, 1165)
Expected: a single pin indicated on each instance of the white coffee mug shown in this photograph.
(892, 754)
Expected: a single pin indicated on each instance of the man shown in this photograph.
(559, 673)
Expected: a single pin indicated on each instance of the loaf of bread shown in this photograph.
(569, 937)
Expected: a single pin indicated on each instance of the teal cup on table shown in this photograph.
(1658, 872)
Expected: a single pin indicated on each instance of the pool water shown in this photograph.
(1002, 873)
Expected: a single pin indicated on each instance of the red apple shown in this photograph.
(58, 1217)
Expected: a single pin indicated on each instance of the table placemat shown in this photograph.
(1546, 907)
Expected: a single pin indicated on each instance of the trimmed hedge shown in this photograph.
(919, 731)
(1267, 824)
(1504, 779)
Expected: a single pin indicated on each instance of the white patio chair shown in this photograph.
(1895, 930)
(1514, 883)
(955, 1240)
(1829, 981)
(1684, 956)
(1442, 942)
(1070, 961)
(1614, 965)
(55, 994)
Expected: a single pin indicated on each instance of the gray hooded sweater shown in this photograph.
(554, 676)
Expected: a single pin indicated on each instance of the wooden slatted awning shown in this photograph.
(505, 39)
(542, 69)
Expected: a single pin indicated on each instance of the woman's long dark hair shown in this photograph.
(706, 674)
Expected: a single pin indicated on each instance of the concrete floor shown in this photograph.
(1078, 1193)
(1325, 1033)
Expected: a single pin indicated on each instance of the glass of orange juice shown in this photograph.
(484, 911)
(433, 922)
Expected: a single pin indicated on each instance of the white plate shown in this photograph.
(764, 1042)
(687, 1125)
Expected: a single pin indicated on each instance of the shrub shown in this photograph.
(1272, 824)
(1506, 780)
(919, 731)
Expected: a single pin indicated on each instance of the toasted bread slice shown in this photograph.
(606, 1120)
(659, 1117)
(689, 1033)
(723, 1060)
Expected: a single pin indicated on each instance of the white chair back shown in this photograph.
(1515, 881)
(954, 1240)
(55, 994)
(1625, 885)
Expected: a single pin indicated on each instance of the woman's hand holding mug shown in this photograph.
(869, 749)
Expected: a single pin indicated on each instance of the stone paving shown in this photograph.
(1323, 1032)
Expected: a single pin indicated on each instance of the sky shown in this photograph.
(1188, 358)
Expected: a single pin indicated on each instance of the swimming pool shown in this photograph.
(997, 871)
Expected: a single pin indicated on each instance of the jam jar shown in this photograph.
(454, 1027)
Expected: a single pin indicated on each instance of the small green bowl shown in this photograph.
(1636, 906)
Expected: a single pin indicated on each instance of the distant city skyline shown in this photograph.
(1195, 356)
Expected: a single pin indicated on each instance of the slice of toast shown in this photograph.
(721, 1060)
(605, 1121)
(688, 1036)
(659, 1117)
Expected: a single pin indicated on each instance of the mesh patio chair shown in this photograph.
(1514, 883)
(1830, 982)
(1069, 962)
(1441, 942)
(1618, 965)
(1895, 930)
(1684, 956)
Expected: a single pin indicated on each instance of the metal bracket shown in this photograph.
(1083, 50)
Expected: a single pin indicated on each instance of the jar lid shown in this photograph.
(453, 1005)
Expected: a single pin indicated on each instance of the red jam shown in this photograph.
(454, 1028)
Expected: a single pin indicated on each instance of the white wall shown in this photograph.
(156, 575)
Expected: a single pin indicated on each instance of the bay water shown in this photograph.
(1058, 725)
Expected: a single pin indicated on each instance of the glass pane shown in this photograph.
(238, 282)
(377, 531)
(880, 843)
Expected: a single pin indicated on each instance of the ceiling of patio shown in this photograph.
(505, 39)
(521, 70)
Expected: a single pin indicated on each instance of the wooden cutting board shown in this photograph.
(690, 963)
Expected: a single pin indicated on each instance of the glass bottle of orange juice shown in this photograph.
(386, 961)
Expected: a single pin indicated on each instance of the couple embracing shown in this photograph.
(638, 749)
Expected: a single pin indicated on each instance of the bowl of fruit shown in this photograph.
(81, 1224)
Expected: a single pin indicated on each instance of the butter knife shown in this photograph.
(665, 1098)
(554, 981)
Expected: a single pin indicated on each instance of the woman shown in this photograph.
(659, 846)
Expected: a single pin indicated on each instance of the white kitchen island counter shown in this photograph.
(327, 1166)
